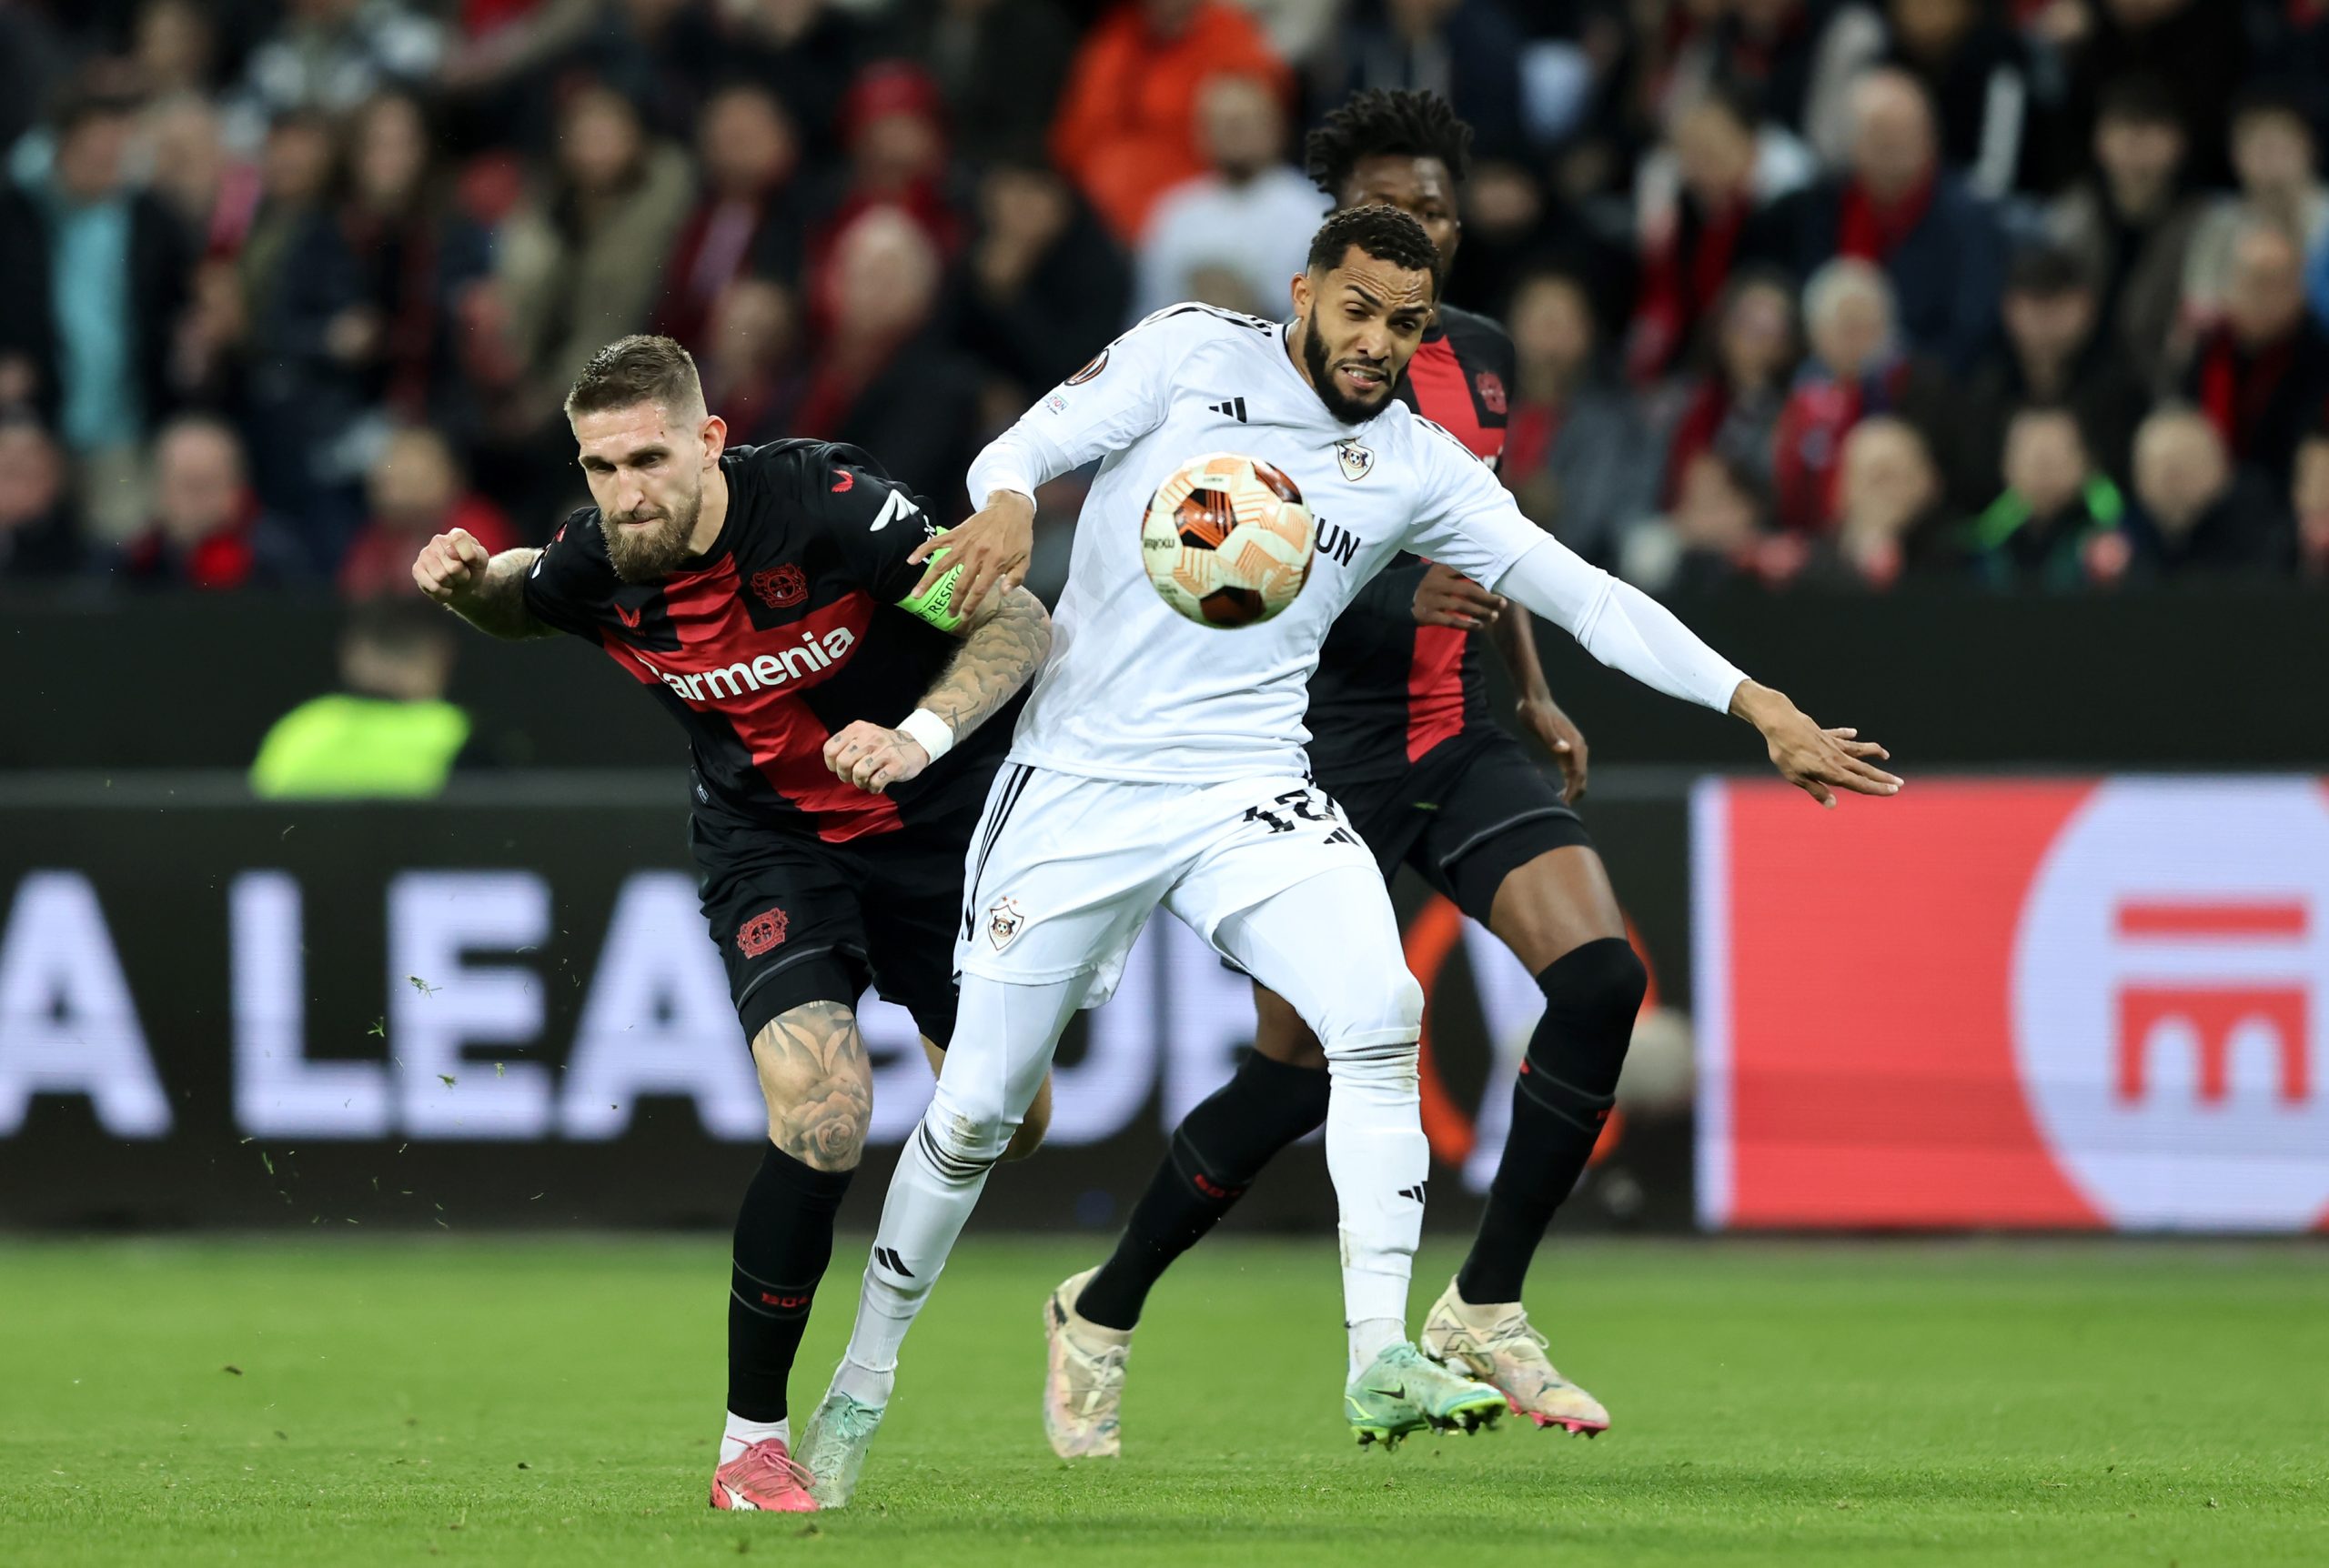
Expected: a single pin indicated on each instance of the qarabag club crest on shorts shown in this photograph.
(762, 933)
(780, 586)
(1004, 921)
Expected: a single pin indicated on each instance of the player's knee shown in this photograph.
(1391, 1006)
(1379, 1007)
(817, 1084)
(964, 1131)
(1592, 995)
(1386, 1012)
(1405, 1004)
(1597, 988)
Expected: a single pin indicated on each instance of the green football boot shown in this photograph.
(1400, 1392)
(833, 1449)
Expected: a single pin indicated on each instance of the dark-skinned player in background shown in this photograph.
(1402, 738)
(837, 712)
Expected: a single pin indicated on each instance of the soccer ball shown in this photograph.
(1228, 540)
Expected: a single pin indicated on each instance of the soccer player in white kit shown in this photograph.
(1161, 761)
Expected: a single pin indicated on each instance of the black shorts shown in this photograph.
(1474, 809)
(798, 919)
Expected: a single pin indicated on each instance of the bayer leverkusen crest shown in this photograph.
(1356, 459)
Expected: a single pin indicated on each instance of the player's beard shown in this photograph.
(648, 553)
(1342, 406)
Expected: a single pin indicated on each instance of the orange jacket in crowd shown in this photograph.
(1126, 130)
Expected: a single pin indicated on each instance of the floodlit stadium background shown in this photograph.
(2071, 979)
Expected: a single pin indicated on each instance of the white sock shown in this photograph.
(740, 1434)
(1378, 1158)
(869, 1367)
(1004, 1039)
(1370, 1338)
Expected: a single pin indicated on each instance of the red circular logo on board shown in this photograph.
(780, 586)
(763, 933)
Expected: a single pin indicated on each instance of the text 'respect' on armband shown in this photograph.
(937, 605)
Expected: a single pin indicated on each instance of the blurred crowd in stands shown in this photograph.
(1817, 294)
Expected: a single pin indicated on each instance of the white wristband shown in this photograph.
(934, 734)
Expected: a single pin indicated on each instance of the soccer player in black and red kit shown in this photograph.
(1402, 738)
(837, 721)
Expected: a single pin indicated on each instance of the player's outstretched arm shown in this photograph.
(1003, 644)
(486, 590)
(1627, 629)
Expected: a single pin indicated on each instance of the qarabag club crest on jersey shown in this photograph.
(1004, 921)
(780, 586)
(1356, 461)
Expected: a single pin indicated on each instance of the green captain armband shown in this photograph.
(937, 605)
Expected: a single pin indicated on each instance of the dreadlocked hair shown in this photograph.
(1409, 122)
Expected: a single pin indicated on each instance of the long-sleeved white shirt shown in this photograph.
(1133, 690)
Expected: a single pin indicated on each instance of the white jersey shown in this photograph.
(1132, 689)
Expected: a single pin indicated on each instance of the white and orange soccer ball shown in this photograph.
(1228, 540)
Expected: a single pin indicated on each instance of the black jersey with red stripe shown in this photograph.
(783, 632)
(1388, 690)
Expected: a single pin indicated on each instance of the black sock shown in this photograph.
(1561, 1097)
(784, 1238)
(1218, 1150)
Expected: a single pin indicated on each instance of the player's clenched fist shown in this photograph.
(873, 758)
(451, 566)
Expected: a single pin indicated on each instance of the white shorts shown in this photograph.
(1064, 869)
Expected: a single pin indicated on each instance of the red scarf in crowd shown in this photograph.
(409, 338)
(1695, 432)
(1873, 232)
(2235, 396)
(1807, 446)
(225, 559)
(1530, 431)
(1681, 281)
(714, 249)
(222, 561)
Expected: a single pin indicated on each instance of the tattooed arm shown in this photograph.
(487, 591)
(1003, 645)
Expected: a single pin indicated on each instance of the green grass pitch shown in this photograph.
(554, 1402)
